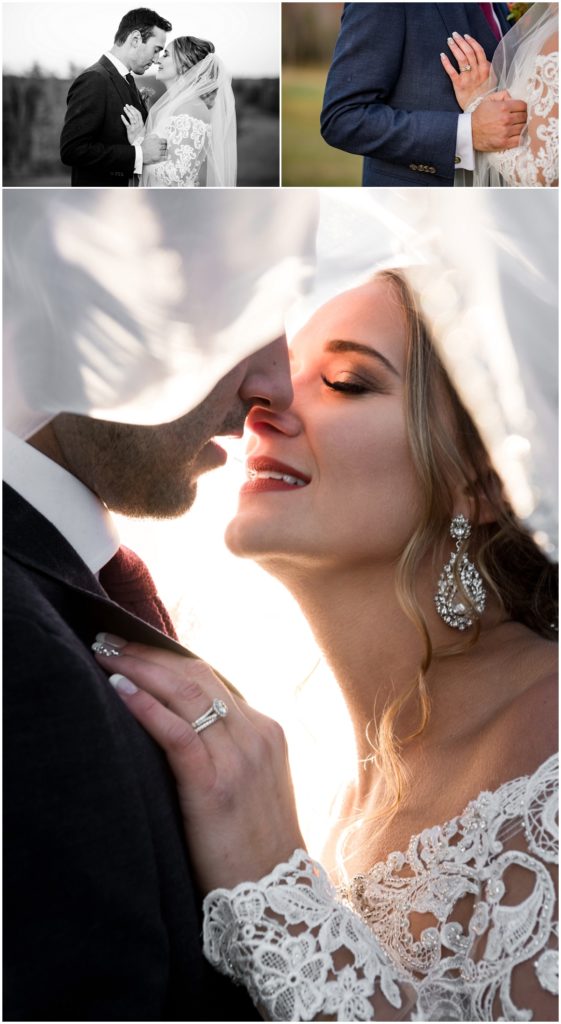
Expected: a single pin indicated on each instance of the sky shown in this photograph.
(55, 35)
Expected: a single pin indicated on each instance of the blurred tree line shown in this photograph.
(34, 106)
(309, 32)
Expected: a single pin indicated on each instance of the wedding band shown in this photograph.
(218, 709)
(467, 67)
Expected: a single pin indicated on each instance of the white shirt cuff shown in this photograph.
(138, 158)
(465, 157)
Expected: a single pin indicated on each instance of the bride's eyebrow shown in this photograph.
(339, 345)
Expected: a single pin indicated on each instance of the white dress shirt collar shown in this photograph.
(121, 68)
(67, 503)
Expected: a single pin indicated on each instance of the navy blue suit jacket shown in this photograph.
(387, 96)
(102, 919)
(94, 140)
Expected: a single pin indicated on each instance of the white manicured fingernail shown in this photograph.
(110, 638)
(122, 684)
(449, 40)
(442, 54)
(456, 35)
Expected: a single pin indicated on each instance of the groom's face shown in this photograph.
(142, 55)
(153, 470)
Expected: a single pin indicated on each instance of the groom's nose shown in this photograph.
(267, 379)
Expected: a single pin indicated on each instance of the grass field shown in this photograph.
(306, 158)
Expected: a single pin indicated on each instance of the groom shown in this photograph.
(388, 98)
(102, 918)
(94, 141)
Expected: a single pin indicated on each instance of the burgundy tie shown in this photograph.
(128, 582)
(487, 10)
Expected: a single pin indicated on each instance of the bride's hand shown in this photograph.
(233, 778)
(475, 73)
(132, 120)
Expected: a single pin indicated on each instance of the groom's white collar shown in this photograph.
(121, 68)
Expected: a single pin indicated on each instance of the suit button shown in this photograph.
(457, 159)
(413, 167)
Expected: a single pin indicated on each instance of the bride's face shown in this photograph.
(167, 70)
(349, 493)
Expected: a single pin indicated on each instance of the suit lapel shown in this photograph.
(122, 87)
(457, 19)
(34, 542)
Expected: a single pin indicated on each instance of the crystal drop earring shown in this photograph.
(449, 604)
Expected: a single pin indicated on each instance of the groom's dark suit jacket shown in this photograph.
(94, 139)
(102, 920)
(387, 96)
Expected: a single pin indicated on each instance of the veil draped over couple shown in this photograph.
(187, 139)
(398, 484)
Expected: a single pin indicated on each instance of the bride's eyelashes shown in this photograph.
(354, 384)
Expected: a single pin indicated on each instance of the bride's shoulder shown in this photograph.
(526, 732)
(195, 108)
(551, 44)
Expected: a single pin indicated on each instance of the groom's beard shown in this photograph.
(145, 471)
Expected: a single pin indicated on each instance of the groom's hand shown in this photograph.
(153, 149)
(497, 122)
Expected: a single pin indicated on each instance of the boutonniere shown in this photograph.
(515, 11)
(145, 95)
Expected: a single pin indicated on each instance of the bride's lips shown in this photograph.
(266, 474)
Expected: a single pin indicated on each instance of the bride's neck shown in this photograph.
(375, 651)
(371, 646)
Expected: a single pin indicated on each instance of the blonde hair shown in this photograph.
(512, 566)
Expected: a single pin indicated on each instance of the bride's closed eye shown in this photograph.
(354, 384)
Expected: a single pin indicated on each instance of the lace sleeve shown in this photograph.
(461, 927)
(302, 954)
(536, 161)
(187, 139)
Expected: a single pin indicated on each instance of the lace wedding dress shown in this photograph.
(460, 926)
(188, 137)
(197, 116)
(526, 63)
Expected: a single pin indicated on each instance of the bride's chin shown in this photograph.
(250, 539)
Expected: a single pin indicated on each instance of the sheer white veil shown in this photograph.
(131, 307)
(209, 81)
(513, 66)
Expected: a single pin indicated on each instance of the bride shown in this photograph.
(372, 498)
(196, 115)
(526, 65)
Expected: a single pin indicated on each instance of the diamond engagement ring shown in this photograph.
(466, 67)
(218, 709)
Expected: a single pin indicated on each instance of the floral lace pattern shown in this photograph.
(536, 162)
(436, 933)
(188, 138)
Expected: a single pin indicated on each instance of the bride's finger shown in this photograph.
(189, 694)
(466, 48)
(189, 757)
(116, 646)
(449, 67)
(478, 51)
(108, 643)
(458, 52)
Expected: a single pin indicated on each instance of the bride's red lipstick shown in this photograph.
(266, 474)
